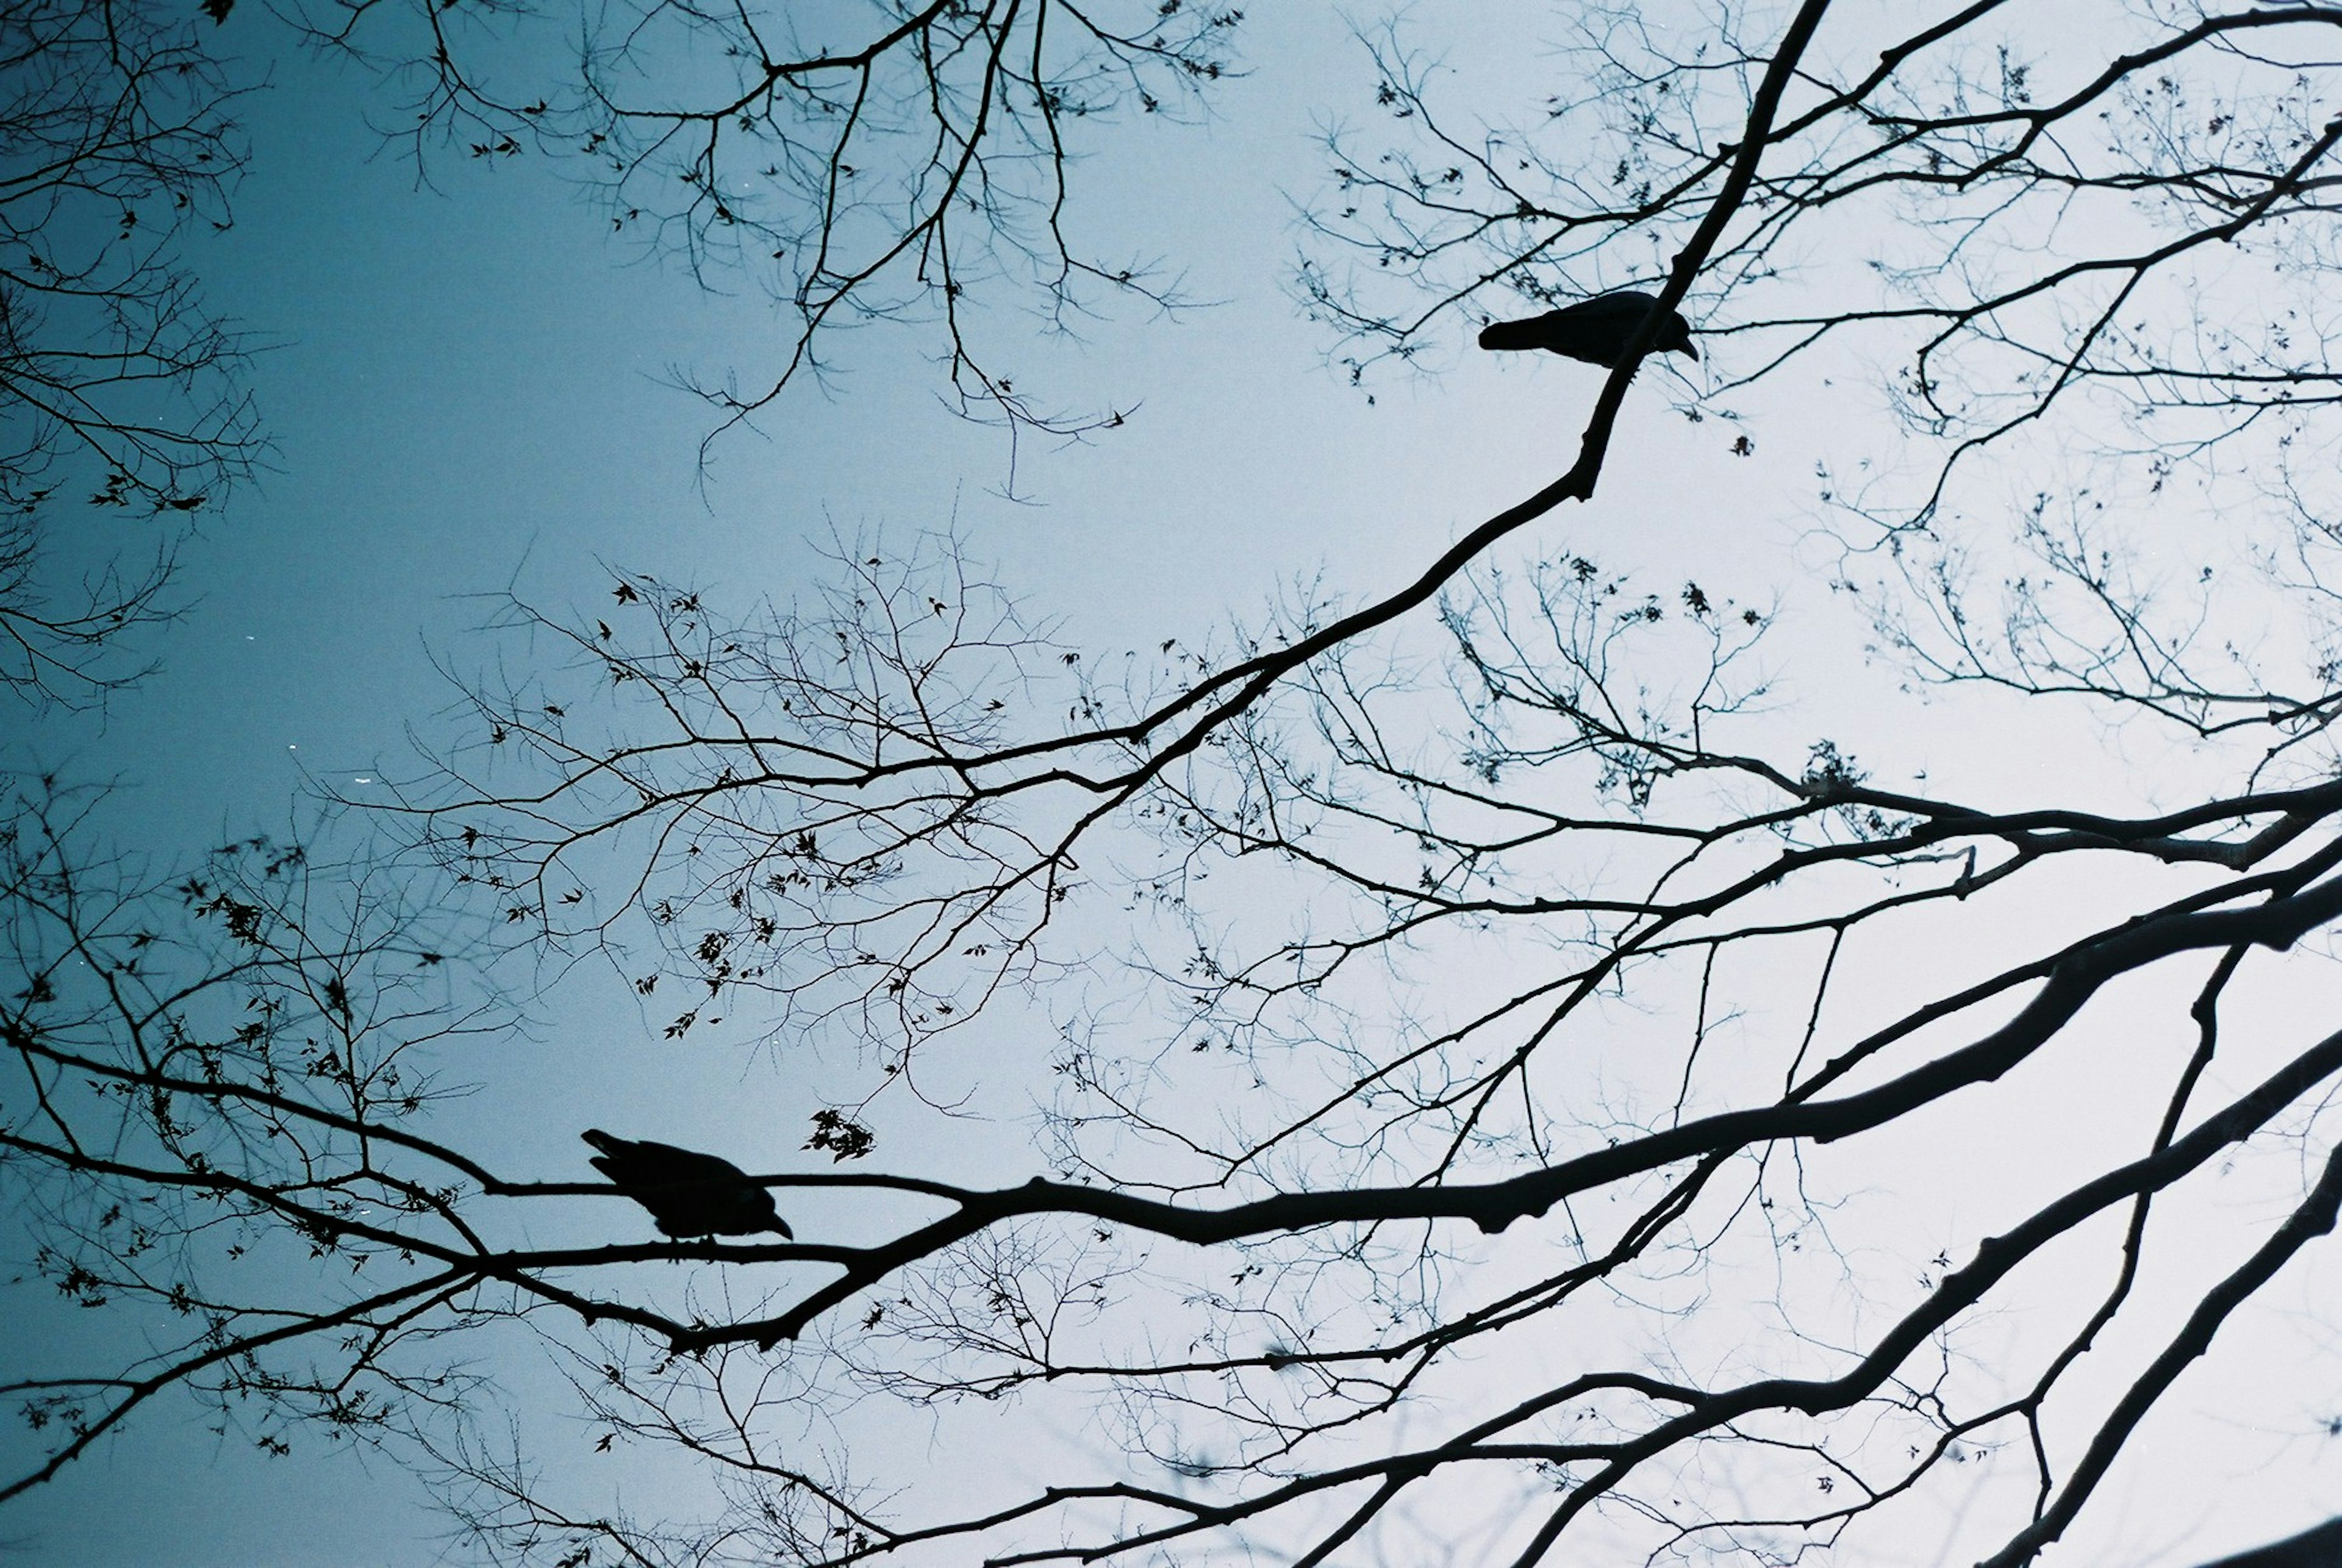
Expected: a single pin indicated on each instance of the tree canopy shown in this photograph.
(1498, 1056)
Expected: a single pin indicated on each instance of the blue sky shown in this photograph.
(469, 389)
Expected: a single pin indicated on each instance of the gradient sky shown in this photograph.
(469, 391)
(469, 388)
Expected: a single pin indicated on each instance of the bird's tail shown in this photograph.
(1512, 335)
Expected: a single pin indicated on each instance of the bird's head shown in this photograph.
(761, 1208)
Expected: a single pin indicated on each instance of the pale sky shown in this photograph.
(469, 390)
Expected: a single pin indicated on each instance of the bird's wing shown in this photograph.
(675, 1164)
(643, 1160)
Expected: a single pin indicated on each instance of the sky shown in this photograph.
(469, 388)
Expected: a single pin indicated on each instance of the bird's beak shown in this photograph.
(1691, 351)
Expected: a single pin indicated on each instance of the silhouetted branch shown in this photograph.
(119, 389)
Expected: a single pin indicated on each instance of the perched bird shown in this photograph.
(688, 1193)
(1594, 330)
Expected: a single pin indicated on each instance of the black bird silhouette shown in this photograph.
(1594, 330)
(688, 1194)
(2319, 1547)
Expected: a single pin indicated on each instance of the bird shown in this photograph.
(1594, 330)
(688, 1193)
